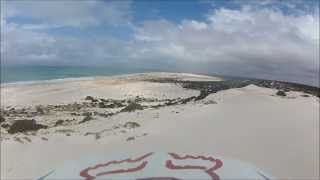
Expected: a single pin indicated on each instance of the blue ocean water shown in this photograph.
(38, 73)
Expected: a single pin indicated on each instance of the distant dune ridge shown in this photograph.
(273, 125)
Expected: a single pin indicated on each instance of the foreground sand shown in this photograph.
(277, 134)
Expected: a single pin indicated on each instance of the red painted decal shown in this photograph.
(143, 162)
(85, 173)
(210, 171)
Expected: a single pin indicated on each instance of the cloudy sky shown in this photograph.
(270, 39)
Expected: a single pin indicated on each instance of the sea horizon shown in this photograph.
(15, 75)
(43, 73)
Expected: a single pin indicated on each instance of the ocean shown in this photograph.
(26, 74)
(38, 74)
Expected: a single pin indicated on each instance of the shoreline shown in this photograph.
(49, 81)
(260, 82)
(129, 74)
(84, 78)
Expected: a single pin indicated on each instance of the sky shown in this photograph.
(271, 39)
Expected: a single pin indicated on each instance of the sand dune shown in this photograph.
(250, 124)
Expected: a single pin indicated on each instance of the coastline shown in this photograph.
(21, 83)
(84, 78)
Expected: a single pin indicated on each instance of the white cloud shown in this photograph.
(193, 25)
(260, 43)
(70, 13)
(29, 42)
(20, 45)
(38, 27)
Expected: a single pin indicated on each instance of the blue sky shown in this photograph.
(175, 11)
(140, 11)
(267, 38)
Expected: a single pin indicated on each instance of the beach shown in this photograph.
(158, 112)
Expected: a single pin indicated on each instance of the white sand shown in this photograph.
(278, 135)
(117, 87)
